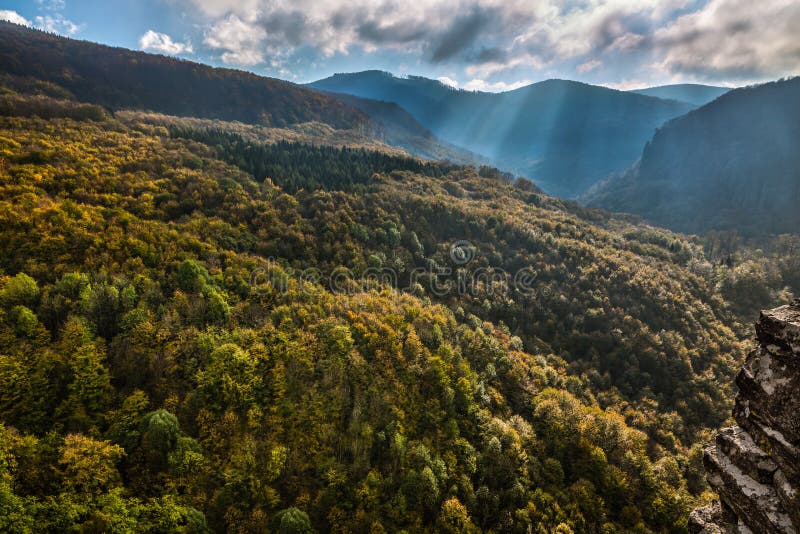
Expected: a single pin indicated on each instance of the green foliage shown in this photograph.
(20, 290)
(294, 521)
(294, 166)
(190, 277)
(159, 373)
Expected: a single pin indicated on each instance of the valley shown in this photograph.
(231, 303)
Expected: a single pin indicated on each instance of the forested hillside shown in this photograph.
(205, 327)
(118, 78)
(563, 135)
(730, 165)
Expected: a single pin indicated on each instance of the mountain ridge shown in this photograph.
(691, 93)
(119, 78)
(699, 171)
(533, 129)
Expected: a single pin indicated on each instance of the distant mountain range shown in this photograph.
(564, 135)
(691, 93)
(732, 164)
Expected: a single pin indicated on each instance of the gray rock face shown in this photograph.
(755, 467)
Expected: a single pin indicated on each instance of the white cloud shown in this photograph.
(448, 81)
(161, 42)
(57, 24)
(52, 5)
(733, 39)
(495, 87)
(242, 42)
(589, 65)
(628, 85)
(488, 36)
(13, 16)
(701, 39)
(628, 41)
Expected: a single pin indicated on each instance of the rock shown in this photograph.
(789, 495)
(768, 391)
(785, 455)
(740, 448)
(780, 328)
(706, 520)
(755, 467)
(757, 505)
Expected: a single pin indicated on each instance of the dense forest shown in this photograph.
(188, 341)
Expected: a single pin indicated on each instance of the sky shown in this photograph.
(490, 45)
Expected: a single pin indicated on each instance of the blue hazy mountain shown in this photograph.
(731, 164)
(397, 127)
(691, 93)
(564, 135)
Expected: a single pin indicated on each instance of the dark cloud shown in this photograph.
(613, 26)
(372, 31)
(490, 55)
(666, 38)
(461, 34)
(289, 25)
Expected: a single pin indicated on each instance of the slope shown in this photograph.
(123, 79)
(732, 164)
(563, 135)
(691, 93)
(188, 343)
(395, 126)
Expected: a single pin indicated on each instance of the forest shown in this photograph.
(149, 384)
(146, 384)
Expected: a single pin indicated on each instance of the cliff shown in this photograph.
(755, 467)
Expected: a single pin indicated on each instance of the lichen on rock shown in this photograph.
(755, 467)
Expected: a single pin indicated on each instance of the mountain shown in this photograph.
(122, 79)
(209, 326)
(396, 127)
(118, 78)
(563, 135)
(691, 93)
(732, 164)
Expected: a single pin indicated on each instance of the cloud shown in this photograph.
(628, 85)
(628, 41)
(57, 24)
(52, 5)
(496, 87)
(460, 36)
(733, 39)
(240, 41)
(589, 65)
(13, 16)
(448, 81)
(515, 38)
(161, 42)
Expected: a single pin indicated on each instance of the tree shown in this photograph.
(89, 465)
(294, 521)
(21, 290)
(454, 518)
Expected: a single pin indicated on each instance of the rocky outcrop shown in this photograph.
(755, 467)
